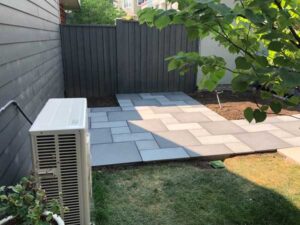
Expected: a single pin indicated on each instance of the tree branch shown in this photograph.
(224, 35)
(292, 30)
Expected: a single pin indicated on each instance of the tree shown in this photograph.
(95, 12)
(263, 34)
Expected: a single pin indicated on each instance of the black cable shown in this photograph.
(13, 102)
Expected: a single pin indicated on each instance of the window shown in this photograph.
(127, 3)
(141, 1)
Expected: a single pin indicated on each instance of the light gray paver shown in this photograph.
(106, 109)
(163, 154)
(280, 133)
(146, 102)
(115, 153)
(109, 124)
(97, 118)
(291, 153)
(192, 117)
(132, 137)
(100, 136)
(165, 126)
(147, 126)
(290, 127)
(222, 127)
(200, 132)
(125, 115)
(147, 145)
(172, 139)
(239, 147)
(259, 127)
(97, 114)
(184, 126)
(128, 96)
(262, 141)
(208, 150)
(294, 141)
(165, 109)
(120, 130)
(217, 139)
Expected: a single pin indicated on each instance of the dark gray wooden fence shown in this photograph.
(126, 58)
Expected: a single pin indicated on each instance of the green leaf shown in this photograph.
(293, 101)
(264, 108)
(259, 115)
(275, 46)
(173, 65)
(262, 60)
(280, 60)
(241, 63)
(254, 17)
(265, 94)
(289, 78)
(240, 83)
(276, 107)
(193, 32)
(162, 21)
(248, 114)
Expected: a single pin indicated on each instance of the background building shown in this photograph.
(131, 7)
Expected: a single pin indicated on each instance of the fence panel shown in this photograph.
(141, 58)
(90, 60)
(129, 57)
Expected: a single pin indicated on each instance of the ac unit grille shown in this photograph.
(50, 184)
(69, 177)
(46, 151)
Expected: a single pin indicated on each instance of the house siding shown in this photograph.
(30, 73)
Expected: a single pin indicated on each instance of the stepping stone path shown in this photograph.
(167, 126)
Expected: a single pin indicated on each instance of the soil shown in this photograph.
(233, 104)
(109, 101)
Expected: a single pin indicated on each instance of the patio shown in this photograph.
(170, 126)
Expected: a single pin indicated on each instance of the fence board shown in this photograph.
(104, 60)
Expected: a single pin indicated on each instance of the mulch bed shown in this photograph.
(109, 101)
(233, 104)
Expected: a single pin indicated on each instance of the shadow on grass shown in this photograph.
(184, 194)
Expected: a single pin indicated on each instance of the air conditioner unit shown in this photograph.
(61, 156)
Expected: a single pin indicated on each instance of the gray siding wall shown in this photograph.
(30, 72)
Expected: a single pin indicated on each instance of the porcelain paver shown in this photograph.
(184, 126)
(115, 153)
(290, 127)
(217, 139)
(171, 139)
(192, 117)
(100, 136)
(208, 150)
(172, 125)
(153, 125)
(120, 130)
(222, 127)
(291, 153)
(127, 115)
(163, 154)
(147, 145)
(262, 141)
(132, 137)
(109, 124)
(239, 147)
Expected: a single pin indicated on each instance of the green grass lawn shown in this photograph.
(257, 189)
